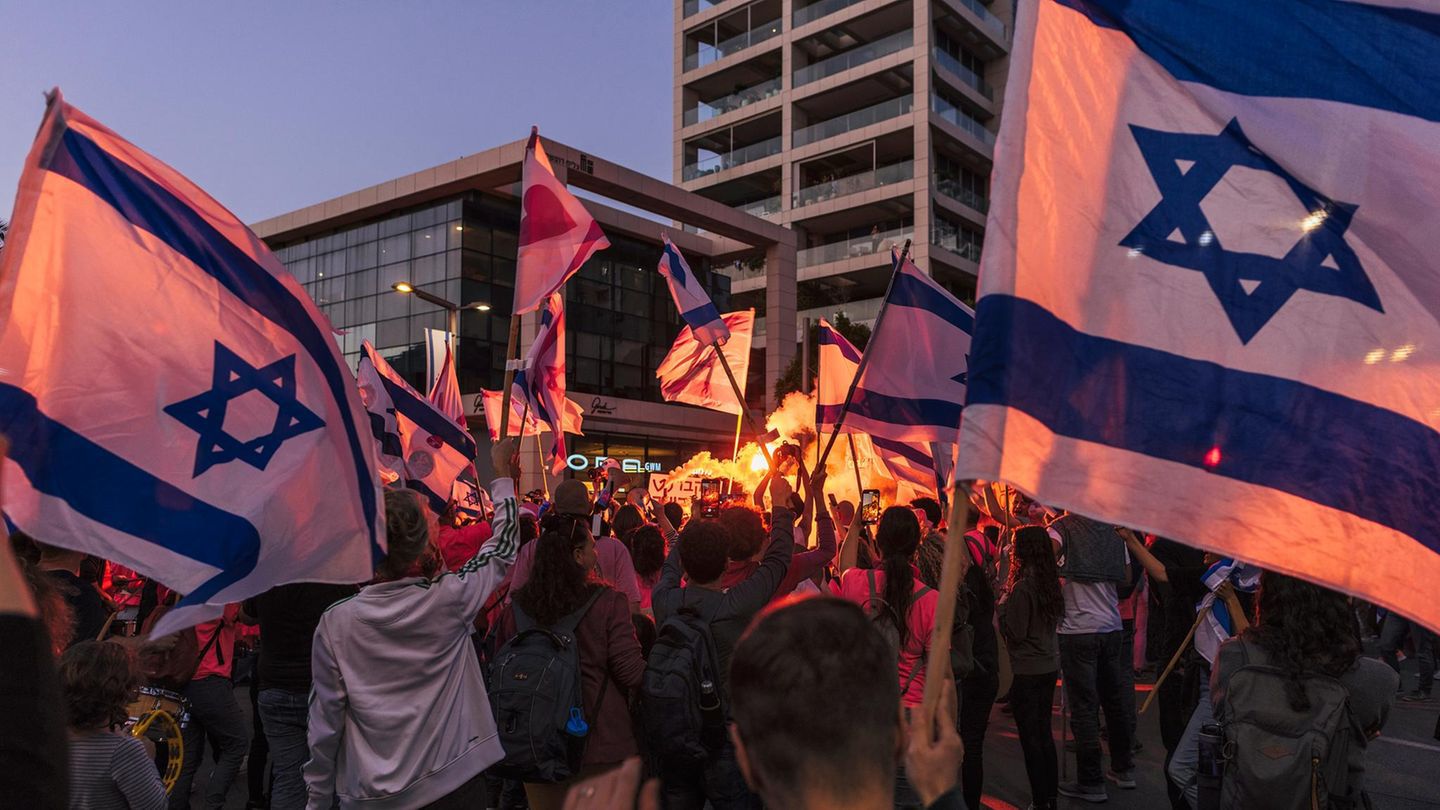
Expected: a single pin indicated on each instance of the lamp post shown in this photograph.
(451, 308)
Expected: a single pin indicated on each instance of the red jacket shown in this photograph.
(609, 656)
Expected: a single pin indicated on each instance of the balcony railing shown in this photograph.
(987, 19)
(952, 188)
(853, 248)
(713, 53)
(815, 11)
(951, 241)
(961, 119)
(857, 311)
(729, 160)
(966, 75)
(693, 7)
(854, 57)
(864, 117)
(883, 176)
(706, 110)
(762, 208)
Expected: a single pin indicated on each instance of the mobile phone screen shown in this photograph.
(870, 506)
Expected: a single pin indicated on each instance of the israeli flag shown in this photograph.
(1209, 304)
(913, 386)
(694, 303)
(174, 400)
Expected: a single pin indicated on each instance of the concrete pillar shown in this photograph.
(779, 314)
(920, 247)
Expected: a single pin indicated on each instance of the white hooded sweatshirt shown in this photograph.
(399, 716)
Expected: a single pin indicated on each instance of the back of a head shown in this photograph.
(898, 536)
(704, 548)
(96, 679)
(1306, 628)
(627, 519)
(675, 513)
(558, 585)
(845, 511)
(1033, 558)
(647, 550)
(408, 533)
(746, 528)
(814, 699)
(930, 507)
(571, 498)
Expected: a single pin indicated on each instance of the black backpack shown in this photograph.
(681, 711)
(536, 696)
(884, 618)
(1279, 758)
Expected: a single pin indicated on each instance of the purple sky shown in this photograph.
(271, 106)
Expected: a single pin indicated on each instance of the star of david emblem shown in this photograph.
(964, 377)
(232, 377)
(1251, 287)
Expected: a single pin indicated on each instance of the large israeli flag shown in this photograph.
(694, 304)
(1209, 291)
(174, 400)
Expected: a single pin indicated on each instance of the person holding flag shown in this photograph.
(145, 332)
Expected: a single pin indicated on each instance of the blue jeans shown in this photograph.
(1392, 636)
(1185, 762)
(285, 717)
(1094, 680)
(214, 714)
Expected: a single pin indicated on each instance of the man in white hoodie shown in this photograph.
(399, 717)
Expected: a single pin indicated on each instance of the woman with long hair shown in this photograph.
(108, 767)
(1029, 611)
(561, 583)
(901, 607)
(1306, 630)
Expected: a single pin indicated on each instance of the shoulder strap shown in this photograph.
(214, 637)
(568, 624)
(870, 577)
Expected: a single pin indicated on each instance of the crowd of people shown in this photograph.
(601, 649)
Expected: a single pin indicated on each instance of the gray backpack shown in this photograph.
(1278, 758)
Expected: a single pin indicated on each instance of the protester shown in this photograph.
(675, 513)
(700, 554)
(1029, 613)
(108, 767)
(647, 550)
(214, 714)
(87, 607)
(393, 662)
(628, 518)
(1093, 561)
(901, 605)
(288, 616)
(1306, 632)
(1392, 634)
(745, 527)
(572, 502)
(458, 543)
(57, 619)
(562, 582)
(815, 722)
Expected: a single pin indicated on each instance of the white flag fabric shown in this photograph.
(837, 360)
(913, 387)
(174, 400)
(691, 371)
(494, 402)
(542, 382)
(445, 395)
(436, 451)
(1209, 303)
(694, 304)
(557, 234)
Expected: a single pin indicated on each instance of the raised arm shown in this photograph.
(752, 594)
(474, 580)
(1153, 567)
(806, 563)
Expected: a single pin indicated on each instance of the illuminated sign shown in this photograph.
(580, 463)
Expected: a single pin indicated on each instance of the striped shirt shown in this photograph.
(112, 771)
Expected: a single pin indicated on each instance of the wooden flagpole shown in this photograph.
(540, 450)
(952, 571)
(739, 420)
(855, 462)
(864, 357)
(510, 350)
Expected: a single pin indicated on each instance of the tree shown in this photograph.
(856, 333)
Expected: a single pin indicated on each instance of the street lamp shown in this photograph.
(452, 309)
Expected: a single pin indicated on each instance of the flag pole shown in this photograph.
(744, 410)
(540, 449)
(864, 357)
(855, 462)
(952, 569)
(510, 357)
(739, 420)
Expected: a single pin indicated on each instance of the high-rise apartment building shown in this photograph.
(857, 123)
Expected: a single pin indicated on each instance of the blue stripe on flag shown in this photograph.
(1272, 432)
(428, 419)
(828, 337)
(149, 206)
(675, 264)
(909, 291)
(905, 450)
(108, 489)
(918, 413)
(701, 316)
(1350, 52)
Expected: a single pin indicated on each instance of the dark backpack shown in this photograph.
(536, 696)
(681, 706)
(885, 618)
(174, 668)
(1278, 758)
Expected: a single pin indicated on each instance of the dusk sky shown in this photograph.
(271, 106)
